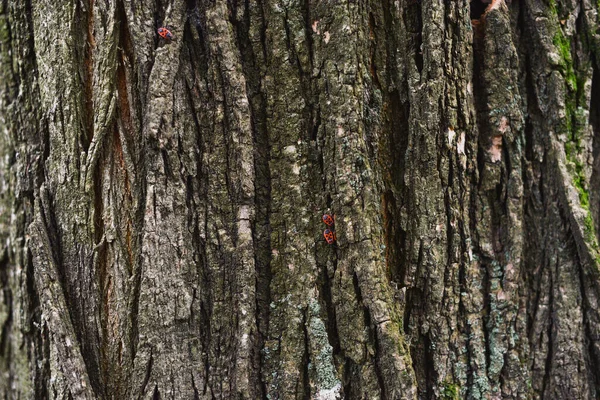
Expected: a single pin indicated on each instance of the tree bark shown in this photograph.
(161, 200)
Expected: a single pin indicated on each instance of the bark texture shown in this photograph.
(161, 200)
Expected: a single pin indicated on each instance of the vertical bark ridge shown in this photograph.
(165, 268)
(440, 162)
(10, 333)
(354, 183)
(240, 159)
(500, 198)
(21, 169)
(65, 354)
(294, 215)
(61, 68)
(563, 135)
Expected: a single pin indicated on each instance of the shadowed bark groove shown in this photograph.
(161, 200)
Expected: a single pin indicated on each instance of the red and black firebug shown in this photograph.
(165, 33)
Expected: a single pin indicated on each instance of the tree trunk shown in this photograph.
(161, 200)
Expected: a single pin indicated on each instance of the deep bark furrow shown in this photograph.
(22, 130)
(250, 27)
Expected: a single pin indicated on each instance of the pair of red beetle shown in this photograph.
(328, 234)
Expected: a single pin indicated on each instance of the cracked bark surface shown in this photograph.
(161, 201)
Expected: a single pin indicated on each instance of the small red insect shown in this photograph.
(329, 236)
(327, 219)
(165, 33)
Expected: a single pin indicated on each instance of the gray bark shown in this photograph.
(161, 200)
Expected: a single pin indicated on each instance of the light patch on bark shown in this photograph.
(501, 295)
(451, 133)
(291, 149)
(495, 5)
(460, 145)
(329, 394)
(325, 383)
(503, 125)
(315, 27)
(495, 150)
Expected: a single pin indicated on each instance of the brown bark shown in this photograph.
(161, 200)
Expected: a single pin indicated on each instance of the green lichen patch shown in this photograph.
(552, 7)
(450, 391)
(563, 45)
(573, 126)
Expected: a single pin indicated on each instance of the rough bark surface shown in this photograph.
(161, 200)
